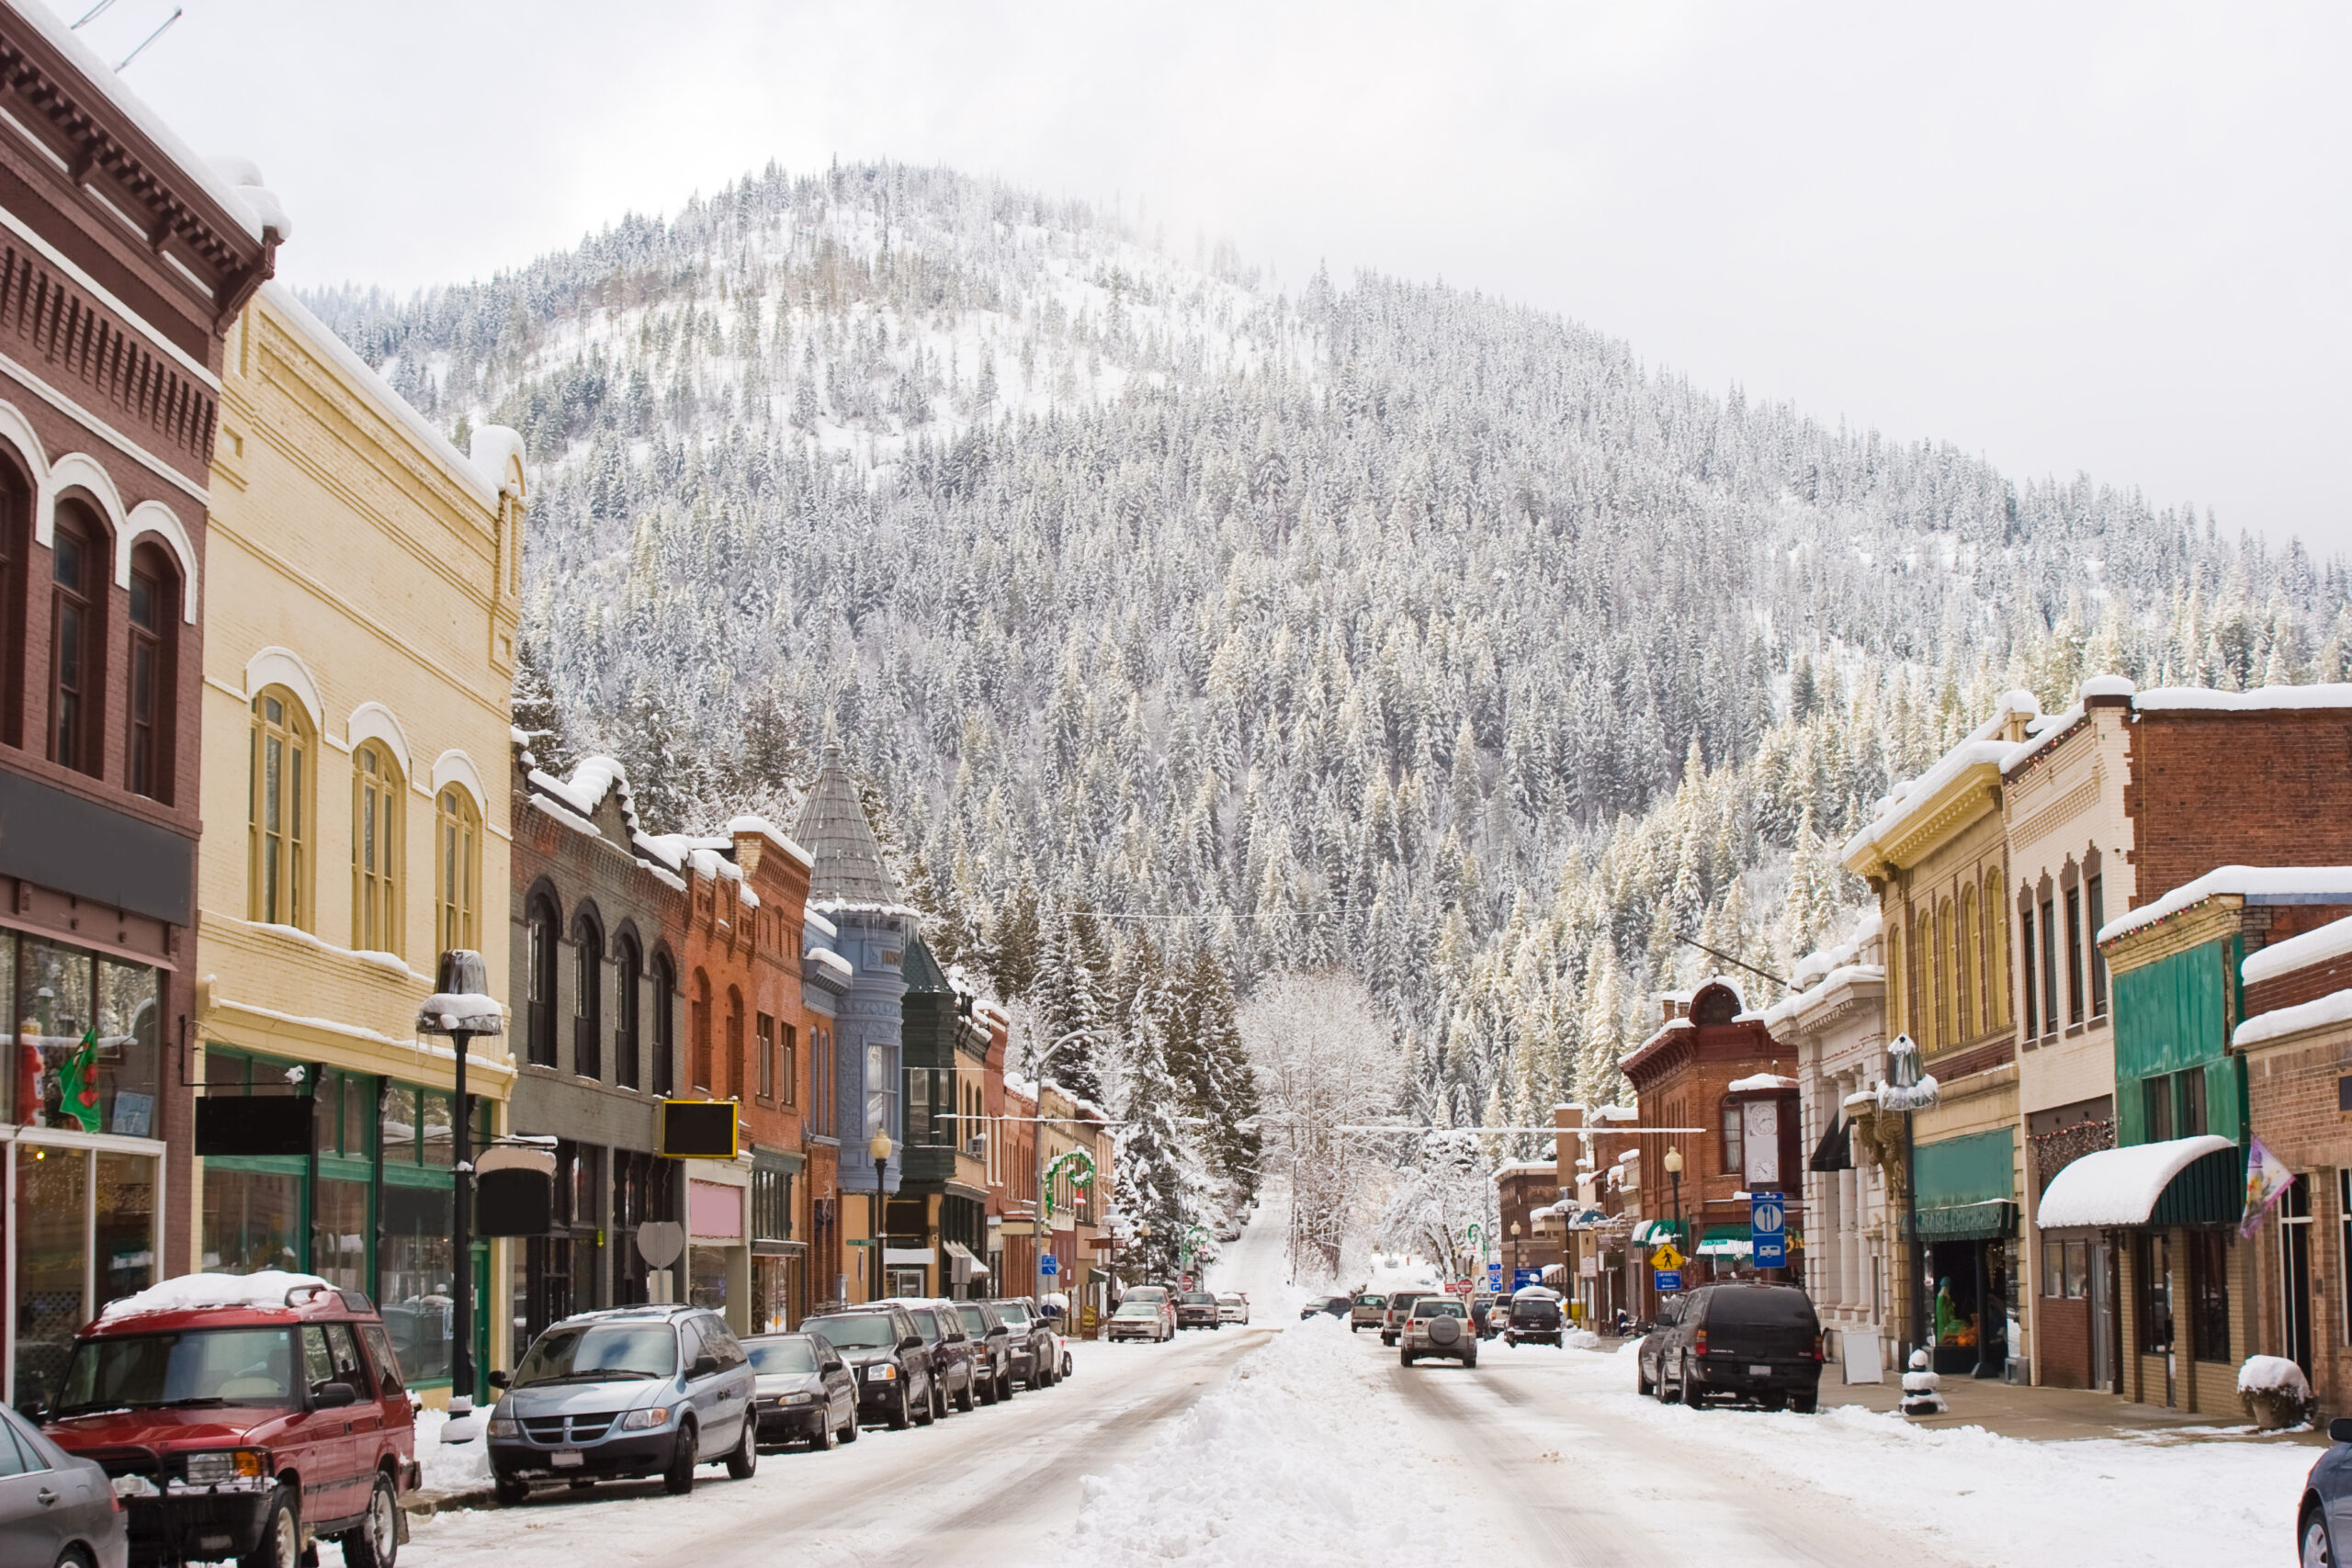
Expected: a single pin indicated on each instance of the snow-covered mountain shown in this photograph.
(1377, 624)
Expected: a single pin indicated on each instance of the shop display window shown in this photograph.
(413, 1265)
(86, 1038)
(83, 1231)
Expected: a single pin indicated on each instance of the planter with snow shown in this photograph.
(2275, 1393)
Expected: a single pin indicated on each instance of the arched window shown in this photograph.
(1965, 939)
(77, 679)
(539, 980)
(278, 867)
(1897, 992)
(16, 547)
(456, 872)
(1997, 954)
(735, 1085)
(375, 800)
(628, 999)
(587, 997)
(1920, 984)
(698, 1031)
(665, 1036)
(151, 702)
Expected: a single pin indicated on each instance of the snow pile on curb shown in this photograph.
(1301, 1458)
(460, 1467)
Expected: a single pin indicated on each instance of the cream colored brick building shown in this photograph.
(362, 580)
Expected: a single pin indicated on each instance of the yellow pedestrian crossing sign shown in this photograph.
(1666, 1259)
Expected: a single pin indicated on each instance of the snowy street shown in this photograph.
(1297, 1443)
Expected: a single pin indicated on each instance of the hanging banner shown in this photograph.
(2266, 1180)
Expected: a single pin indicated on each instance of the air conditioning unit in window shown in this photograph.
(978, 1146)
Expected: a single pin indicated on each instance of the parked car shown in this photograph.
(1196, 1309)
(1037, 1348)
(621, 1394)
(1161, 1299)
(2327, 1500)
(1534, 1317)
(1139, 1320)
(1232, 1306)
(1742, 1340)
(1367, 1312)
(954, 1371)
(1484, 1313)
(238, 1415)
(888, 1357)
(803, 1390)
(1438, 1325)
(1400, 1306)
(1329, 1306)
(1651, 1349)
(991, 1349)
(56, 1506)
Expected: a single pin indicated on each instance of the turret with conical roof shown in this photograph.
(832, 826)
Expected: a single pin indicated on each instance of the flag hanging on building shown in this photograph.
(2265, 1179)
(77, 1083)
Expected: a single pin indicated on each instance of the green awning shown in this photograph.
(1979, 1167)
(1988, 1220)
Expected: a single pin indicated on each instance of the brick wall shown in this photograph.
(2065, 1358)
(2286, 777)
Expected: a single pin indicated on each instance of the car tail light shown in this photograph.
(1816, 1348)
(1699, 1342)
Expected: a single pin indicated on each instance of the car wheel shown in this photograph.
(1667, 1396)
(1405, 1358)
(1004, 1387)
(1471, 1359)
(964, 1400)
(678, 1479)
(1805, 1404)
(2317, 1550)
(931, 1407)
(1641, 1383)
(281, 1536)
(824, 1436)
(1070, 1367)
(510, 1490)
(377, 1543)
(849, 1427)
(1696, 1399)
(988, 1391)
(745, 1461)
(902, 1418)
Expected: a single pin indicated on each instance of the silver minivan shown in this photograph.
(626, 1392)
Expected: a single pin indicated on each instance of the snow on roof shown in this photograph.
(847, 870)
(760, 827)
(1984, 744)
(2254, 884)
(2333, 939)
(1616, 1113)
(2277, 1024)
(1524, 1167)
(1756, 1082)
(210, 1292)
(2268, 699)
(2119, 1187)
(830, 959)
(2105, 686)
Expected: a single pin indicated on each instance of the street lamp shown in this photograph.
(1673, 1163)
(880, 1149)
(1516, 1258)
(461, 1008)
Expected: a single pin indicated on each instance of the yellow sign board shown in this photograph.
(1665, 1260)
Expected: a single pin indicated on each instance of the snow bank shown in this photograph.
(2272, 1374)
(202, 1293)
(456, 1467)
(1302, 1458)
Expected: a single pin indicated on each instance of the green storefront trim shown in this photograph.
(1966, 1186)
(2173, 1016)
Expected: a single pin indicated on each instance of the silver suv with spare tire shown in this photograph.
(1438, 1325)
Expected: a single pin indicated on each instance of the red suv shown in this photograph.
(244, 1416)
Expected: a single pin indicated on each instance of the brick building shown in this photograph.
(1013, 1206)
(599, 912)
(1715, 1067)
(1599, 1174)
(126, 260)
(1529, 1229)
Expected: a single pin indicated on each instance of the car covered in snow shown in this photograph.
(241, 1415)
(1438, 1325)
(1742, 1340)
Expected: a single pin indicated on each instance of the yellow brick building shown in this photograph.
(363, 582)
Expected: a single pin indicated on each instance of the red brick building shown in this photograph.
(1712, 1067)
(1528, 1233)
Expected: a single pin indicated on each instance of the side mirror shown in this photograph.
(335, 1395)
(831, 1367)
(498, 1380)
(704, 1365)
(911, 1342)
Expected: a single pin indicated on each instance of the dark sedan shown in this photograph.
(954, 1372)
(55, 1507)
(1036, 1349)
(1335, 1306)
(803, 1392)
(991, 1341)
(887, 1360)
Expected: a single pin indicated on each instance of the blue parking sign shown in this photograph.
(1768, 1229)
(1049, 1265)
(1667, 1280)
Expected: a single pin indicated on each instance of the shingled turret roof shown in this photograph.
(833, 825)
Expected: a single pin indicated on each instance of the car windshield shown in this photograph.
(777, 1356)
(1146, 1293)
(1431, 1306)
(856, 1330)
(1137, 1309)
(1197, 1298)
(973, 1322)
(1535, 1309)
(197, 1367)
(591, 1352)
(1761, 1305)
(925, 1324)
(1372, 1301)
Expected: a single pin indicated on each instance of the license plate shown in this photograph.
(562, 1458)
(1756, 1372)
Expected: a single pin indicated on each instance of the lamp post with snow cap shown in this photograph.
(462, 1009)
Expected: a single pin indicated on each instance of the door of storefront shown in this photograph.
(2295, 1272)
(84, 1228)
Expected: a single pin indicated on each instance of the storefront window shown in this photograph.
(86, 1031)
(339, 1234)
(125, 1224)
(439, 1141)
(52, 1206)
(253, 1220)
(412, 1268)
(2209, 1285)
(706, 1277)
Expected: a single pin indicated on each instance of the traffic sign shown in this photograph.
(1494, 1275)
(1522, 1278)
(1049, 1264)
(1666, 1259)
(1766, 1228)
(1667, 1280)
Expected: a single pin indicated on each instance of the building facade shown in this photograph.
(943, 1206)
(364, 576)
(125, 260)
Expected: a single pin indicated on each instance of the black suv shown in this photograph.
(889, 1356)
(1534, 1319)
(991, 1348)
(1035, 1348)
(955, 1373)
(1743, 1340)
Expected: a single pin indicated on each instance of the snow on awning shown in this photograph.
(1649, 1233)
(2120, 1188)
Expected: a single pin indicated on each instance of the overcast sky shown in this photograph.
(2111, 240)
